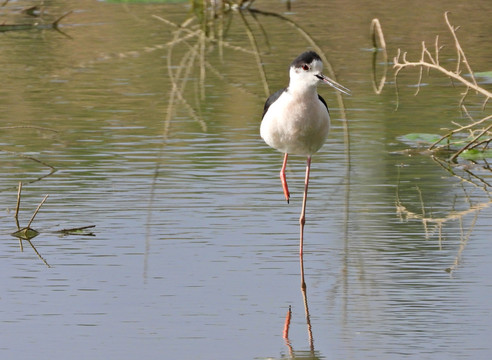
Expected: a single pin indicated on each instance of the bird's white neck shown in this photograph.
(302, 85)
(302, 89)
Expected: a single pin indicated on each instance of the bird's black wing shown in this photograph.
(324, 102)
(271, 99)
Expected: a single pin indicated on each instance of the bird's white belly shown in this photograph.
(296, 128)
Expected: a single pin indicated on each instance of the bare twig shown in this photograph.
(460, 129)
(37, 253)
(470, 143)
(377, 30)
(28, 127)
(431, 62)
(36, 211)
(76, 230)
(256, 51)
(52, 168)
(18, 205)
(57, 21)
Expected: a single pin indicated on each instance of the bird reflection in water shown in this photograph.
(310, 354)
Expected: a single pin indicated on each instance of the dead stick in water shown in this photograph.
(36, 212)
(76, 229)
(18, 205)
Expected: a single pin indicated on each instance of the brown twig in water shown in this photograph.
(377, 30)
(28, 127)
(27, 233)
(256, 50)
(37, 253)
(52, 168)
(17, 214)
(57, 21)
(36, 211)
(77, 230)
(470, 143)
(18, 205)
(431, 61)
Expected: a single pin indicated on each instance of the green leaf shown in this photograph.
(421, 138)
(428, 139)
(25, 233)
(487, 74)
(475, 154)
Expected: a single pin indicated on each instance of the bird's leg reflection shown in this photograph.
(306, 312)
(306, 307)
(286, 332)
(287, 323)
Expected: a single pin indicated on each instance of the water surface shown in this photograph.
(195, 252)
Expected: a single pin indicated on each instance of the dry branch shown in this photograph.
(430, 61)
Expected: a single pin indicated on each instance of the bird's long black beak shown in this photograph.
(333, 84)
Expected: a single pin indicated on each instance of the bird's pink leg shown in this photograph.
(302, 219)
(284, 180)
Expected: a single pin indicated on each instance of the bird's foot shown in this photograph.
(287, 195)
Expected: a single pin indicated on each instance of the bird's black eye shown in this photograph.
(305, 67)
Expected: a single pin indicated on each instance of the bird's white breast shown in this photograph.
(296, 123)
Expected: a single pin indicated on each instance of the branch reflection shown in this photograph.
(464, 210)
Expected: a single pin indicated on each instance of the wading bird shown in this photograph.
(296, 119)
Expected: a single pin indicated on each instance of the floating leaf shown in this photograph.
(428, 139)
(475, 154)
(486, 75)
(26, 233)
(420, 138)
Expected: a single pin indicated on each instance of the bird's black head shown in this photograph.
(306, 72)
(305, 58)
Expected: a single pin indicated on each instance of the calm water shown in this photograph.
(195, 252)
